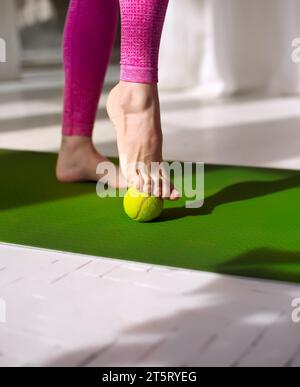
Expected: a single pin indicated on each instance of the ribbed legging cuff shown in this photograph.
(138, 74)
(81, 130)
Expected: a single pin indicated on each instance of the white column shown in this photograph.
(187, 55)
(246, 42)
(182, 44)
(9, 44)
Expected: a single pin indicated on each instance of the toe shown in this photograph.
(174, 194)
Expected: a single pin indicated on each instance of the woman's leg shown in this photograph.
(133, 105)
(88, 41)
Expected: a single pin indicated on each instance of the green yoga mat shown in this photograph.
(249, 225)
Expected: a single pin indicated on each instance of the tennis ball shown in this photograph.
(142, 207)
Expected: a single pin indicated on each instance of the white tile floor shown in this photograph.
(66, 309)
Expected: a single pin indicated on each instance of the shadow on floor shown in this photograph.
(201, 334)
(42, 93)
(38, 121)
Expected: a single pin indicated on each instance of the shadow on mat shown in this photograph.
(29, 177)
(233, 193)
(264, 263)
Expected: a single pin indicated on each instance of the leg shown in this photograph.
(133, 105)
(88, 41)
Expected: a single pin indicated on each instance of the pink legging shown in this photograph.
(88, 41)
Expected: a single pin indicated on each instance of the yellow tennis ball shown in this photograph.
(142, 207)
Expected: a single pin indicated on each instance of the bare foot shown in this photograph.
(78, 160)
(135, 113)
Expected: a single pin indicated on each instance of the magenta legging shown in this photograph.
(88, 41)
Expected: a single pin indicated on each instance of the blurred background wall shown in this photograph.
(216, 46)
(40, 24)
(231, 46)
(9, 33)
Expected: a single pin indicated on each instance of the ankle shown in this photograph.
(73, 143)
(137, 97)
